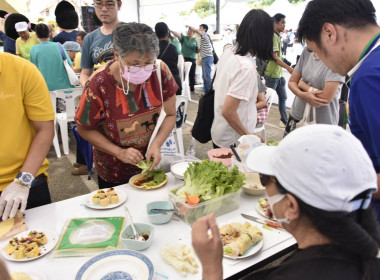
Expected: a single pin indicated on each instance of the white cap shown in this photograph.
(323, 165)
(21, 26)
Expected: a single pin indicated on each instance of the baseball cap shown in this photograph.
(21, 26)
(71, 46)
(323, 165)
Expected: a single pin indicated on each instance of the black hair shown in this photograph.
(357, 232)
(82, 34)
(161, 29)
(3, 13)
(255, 35)
(349, 13)
(278, 17)
(42, 30)
(205, 26)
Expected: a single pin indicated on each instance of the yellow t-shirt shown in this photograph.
(77, 59)
(24, 97)
(23, 48)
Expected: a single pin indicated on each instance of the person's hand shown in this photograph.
(130, 155)
(208, 248)
(154, 153)
(290, 69)
(11, 198)
(312, 98)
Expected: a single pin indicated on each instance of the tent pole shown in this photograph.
(217, 16)
(138, 11)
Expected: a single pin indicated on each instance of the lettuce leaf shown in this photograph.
(158, 177)
(144, 165)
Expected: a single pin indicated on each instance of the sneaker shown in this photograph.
(281, 124)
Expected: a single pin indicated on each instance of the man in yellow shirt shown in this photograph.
(26, 41)
(26, 121)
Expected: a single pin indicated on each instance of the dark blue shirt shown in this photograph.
(64, 36)
(9, 44)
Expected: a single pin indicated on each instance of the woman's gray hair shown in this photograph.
(130, 37)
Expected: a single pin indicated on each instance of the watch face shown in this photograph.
(26, 178)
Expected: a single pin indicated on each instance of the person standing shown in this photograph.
(67, 20)
(26, 41)
(8, 43)
(206, 54)
(168, 52)
(347, 39)
(273, 72)
(27, 120)
(97, 45)
(80, 37)
(189, 51)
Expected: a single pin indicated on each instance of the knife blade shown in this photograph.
(263, 221)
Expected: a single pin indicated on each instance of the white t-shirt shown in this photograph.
(236, 77)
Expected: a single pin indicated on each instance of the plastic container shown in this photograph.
(143, 229)
(214, 153)
(219, 206)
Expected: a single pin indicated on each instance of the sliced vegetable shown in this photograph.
(192, 199)
(144, 165)
(272, 143)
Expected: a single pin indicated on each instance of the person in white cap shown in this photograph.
(26, 41)
(319, 182)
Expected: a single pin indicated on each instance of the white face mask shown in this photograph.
(272, 200)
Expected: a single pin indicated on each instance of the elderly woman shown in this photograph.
(321, 195)
(235, 83)
(122, 102)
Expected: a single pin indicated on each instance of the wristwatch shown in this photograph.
(25, 179)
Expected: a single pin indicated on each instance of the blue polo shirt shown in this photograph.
(9, 44)
(364, 106)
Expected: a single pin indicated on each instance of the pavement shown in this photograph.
(63, 185)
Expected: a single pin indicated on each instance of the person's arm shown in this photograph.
(229, 112)
(178, 35)
(261, 101)
(84, 76)
(194, 29)
(377, 194)
(163, 133)
(281, 63)
(209, 249)
(310, 96)
(2, 25)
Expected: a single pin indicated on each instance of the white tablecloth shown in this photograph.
(53, 217)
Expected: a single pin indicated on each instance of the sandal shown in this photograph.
(81, 171)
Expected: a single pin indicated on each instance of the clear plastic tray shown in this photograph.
(218, 206)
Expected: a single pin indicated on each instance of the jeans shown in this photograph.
(192, 72)
(207, 63)
(278, 84)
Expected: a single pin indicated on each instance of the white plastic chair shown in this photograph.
(181, 105)
(186, 82)
(180, 65)
(55, 139)
(70, 95)
(269, 94)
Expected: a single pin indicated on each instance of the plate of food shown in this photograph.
(105, 199)
(117, 264)
(149, 180)
(252, 184)
(240, 240)
(27, 275)
(262, 207)
(29, 245)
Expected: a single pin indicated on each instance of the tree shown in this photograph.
(204, 8)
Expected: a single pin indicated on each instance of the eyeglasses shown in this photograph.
(265, 179)
(108, 5)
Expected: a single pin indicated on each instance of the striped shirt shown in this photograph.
(206, 47)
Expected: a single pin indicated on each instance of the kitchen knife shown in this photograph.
(263, 221)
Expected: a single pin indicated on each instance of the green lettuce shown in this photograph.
(144, 165)
(210, 179)
(158, 177)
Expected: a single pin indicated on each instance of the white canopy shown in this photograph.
(230, 13)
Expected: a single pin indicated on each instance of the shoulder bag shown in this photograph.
(73, 78)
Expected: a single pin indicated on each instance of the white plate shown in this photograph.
(117, 264)
(44, 249)
(261, 212)
(251, 251)
(179, 169)
(122, 198)
(35, 275)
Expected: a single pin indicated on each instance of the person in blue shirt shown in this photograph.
(346, 37)
(8, 43)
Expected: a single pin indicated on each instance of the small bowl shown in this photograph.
(142, 229)
(158, 218)
(253, 179)
(214, 153)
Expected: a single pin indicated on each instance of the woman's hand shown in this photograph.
(130, 155)
(154, 153)
(209, 249)
(312, 98)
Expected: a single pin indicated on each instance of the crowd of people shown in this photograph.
(321, 181)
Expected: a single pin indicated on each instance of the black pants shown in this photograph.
(106, 185)
(177, 79)
(80, 158)
(192, 72)
(39, 193)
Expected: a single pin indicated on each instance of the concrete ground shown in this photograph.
(63, 185)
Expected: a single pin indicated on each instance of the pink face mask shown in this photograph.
(135, 74)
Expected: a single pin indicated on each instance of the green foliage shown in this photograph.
(204, 8)
(262, 4)
(210, 179)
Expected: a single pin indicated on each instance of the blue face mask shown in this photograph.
(272, 200)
